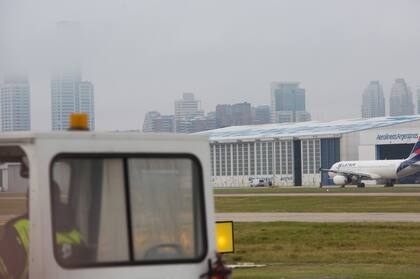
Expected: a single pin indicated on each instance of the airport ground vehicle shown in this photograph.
(141, 203)
(260, 182)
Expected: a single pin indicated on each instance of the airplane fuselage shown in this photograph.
(377, 169)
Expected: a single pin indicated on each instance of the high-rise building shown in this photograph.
(157, 123)
(15, 111)
(401, 100)
(186, 109)
(233, 115)
(262, 115)
(203, 123)
(223, 116)
(164, 124)
(241, 114)
(148, 120)
(373, 103)
(288, 103)
(69, 93)
(86, 101)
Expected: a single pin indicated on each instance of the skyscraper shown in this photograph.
(163, 124)
(203, 123)
(186, 109)
(241, 114)
(69, 93)
(373, 103)
(262, 115)
(15, 109)
(86, 101)
(288, 103)
(148, 121)
(223, 115)
(157, 123)
(401, 100)
(233, 115)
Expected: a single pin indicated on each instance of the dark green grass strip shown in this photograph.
(348, 189)
(330, 271)
(317, 204)
(301, 242)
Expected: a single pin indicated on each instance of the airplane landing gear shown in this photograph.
(389, 183)
(360, 185)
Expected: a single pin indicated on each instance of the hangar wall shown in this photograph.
(405, 133)
(349, 148)
(236, 162)
(283, 162)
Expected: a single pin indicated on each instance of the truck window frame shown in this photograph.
(125, 157)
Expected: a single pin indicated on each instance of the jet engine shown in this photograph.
(341, 180)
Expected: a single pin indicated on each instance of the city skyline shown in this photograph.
(199, 113)
(373, 100)
(142, 54)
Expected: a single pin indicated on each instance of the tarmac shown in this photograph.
(318, 217)
(388, 194)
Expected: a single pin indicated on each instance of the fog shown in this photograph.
(141, 55)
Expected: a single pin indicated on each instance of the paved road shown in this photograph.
(319, 217)
(393, 194)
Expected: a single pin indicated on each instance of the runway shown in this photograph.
(393, 194)
(318, 217)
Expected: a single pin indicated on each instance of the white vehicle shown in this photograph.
(140, 204)
(353, 172)
(260, 182)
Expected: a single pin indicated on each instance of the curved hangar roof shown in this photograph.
(303, 129)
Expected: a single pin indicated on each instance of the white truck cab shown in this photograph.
(138, 205)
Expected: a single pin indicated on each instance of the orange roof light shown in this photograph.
(79, 121)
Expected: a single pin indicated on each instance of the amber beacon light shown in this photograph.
(79, 121)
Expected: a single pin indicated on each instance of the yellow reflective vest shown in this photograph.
(21, 229)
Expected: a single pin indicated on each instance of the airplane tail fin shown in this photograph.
(415, 152)
(413, 158)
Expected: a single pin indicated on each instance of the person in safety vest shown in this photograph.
(69, 247)
(14, 248)
(14, 245)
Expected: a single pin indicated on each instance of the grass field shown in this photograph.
(317, 204)
(331, 189)
(327, 250)
(330, 271)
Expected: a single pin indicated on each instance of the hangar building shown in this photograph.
(291, 153)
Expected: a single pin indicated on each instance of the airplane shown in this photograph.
(353, 172)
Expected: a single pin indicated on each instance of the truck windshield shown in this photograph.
(127, 210)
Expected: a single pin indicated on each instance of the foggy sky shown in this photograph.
(141, 55)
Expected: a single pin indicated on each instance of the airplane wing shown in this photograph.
(361, 175)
